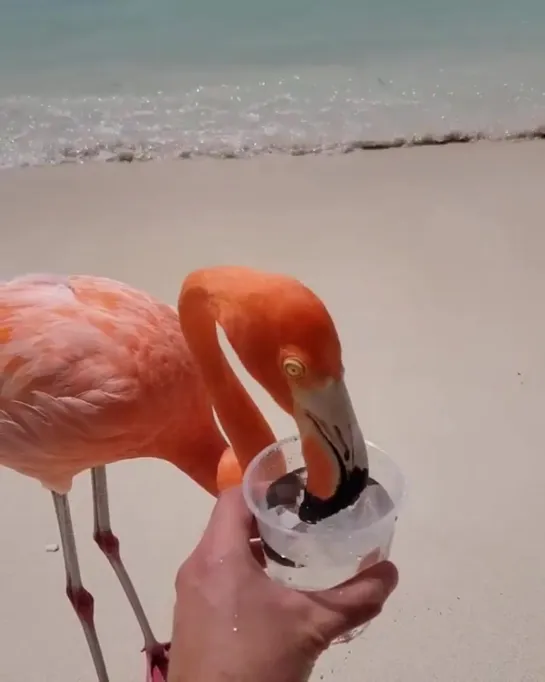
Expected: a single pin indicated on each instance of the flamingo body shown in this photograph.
(93, 371)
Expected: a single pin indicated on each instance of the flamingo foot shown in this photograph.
(157, 663)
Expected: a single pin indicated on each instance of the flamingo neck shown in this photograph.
(198, 455)
(243, 424)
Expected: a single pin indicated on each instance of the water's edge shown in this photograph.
(127, 153)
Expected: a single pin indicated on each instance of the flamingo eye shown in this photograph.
(294, 368)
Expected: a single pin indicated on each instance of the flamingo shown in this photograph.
(93, 371)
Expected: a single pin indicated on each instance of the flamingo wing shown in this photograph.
(89, 369)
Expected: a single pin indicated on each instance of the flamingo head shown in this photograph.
(287, 340)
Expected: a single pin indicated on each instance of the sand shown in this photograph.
(432, 262)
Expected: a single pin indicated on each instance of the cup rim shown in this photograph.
(373, 527)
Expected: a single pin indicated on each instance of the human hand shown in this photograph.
(234, 624)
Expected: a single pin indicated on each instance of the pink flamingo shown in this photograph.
(93, 371)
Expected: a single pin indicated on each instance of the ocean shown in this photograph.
(125, 79)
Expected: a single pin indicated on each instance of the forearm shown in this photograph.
(213, 674)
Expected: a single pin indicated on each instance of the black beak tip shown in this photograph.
(314, 509)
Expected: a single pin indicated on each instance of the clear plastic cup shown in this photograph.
(319, 556)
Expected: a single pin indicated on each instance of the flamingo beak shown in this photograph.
(333, 448)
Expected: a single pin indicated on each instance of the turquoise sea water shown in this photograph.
(84, 78)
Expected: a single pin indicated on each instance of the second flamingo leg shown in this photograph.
(157, 653)
(80, 599)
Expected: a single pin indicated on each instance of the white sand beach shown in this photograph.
(432, 263)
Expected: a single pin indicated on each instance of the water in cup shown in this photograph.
(317, 556)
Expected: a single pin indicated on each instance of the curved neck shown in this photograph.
(247, 430)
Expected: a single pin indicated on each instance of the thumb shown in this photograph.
(340, 609)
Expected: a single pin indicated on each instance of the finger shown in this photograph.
(355, 602)
(256, 548)
(231, 523)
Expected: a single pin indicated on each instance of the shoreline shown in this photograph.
(121, 152)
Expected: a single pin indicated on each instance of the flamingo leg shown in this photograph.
(81, 600)
(157, 654)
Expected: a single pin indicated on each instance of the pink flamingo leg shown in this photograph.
(81, 600)
(156, 653)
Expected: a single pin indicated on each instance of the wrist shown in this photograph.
(220, 667)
